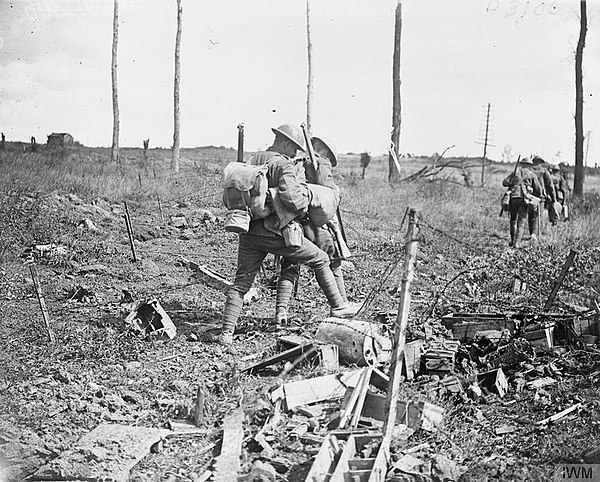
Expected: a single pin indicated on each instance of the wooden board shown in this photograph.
(312, 390)
(227, 464)
(108, 452)
(292, 353)
(412, 358)
(325, 460)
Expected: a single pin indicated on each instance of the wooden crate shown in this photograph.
(343, 462)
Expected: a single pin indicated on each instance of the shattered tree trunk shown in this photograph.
(310, 81)
(579, 167)
(177, 79)
(114, 156)
(393, 172)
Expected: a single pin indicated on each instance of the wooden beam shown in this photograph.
(559, 415)
(400, 330)
(560, 279)
(227, 464)
(292, 353)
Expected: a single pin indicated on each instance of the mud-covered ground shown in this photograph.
(100, 370)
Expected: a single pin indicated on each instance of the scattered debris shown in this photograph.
(149, 318)
(82, 295)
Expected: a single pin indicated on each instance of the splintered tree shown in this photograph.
(309, 85)
(114, 156)
(579, 134)
(176, 122)
(393, 172)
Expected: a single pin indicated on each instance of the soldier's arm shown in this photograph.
(323, 176)
(293, 193)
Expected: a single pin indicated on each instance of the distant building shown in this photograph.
(60, 139)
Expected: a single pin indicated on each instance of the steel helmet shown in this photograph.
(291, 132)
(526, 160)
(320, 142)
(537, 160)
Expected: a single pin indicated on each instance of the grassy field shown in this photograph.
(49, 392)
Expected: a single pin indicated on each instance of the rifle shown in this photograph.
(240, 146)
(335, 224)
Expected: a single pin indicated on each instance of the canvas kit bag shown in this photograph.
(245, 188)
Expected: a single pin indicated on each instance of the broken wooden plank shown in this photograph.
(361, 386)
(325, 460)
(108, 452)
(312, 390)
(290, 341)
(291, 353)
(207, 275)
(560, 279)
(413, 351)
(556, 417)
(227, 464)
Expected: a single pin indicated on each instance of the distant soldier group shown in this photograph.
(533, 186)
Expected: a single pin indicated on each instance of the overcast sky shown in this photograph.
(245, 61)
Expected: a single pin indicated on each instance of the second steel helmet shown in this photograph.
(320, 142)
(291, 132)
(526, 160)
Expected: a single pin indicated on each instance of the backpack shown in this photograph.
(245, 188)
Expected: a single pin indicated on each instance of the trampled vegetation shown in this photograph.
(99, 370)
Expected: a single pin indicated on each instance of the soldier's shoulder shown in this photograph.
(264, 157)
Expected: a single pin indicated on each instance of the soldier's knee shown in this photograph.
(321, 260)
